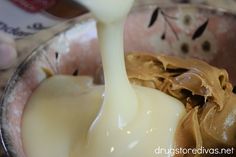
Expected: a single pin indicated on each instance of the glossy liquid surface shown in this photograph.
(132, 121)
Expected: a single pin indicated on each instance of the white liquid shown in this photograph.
(60, 112)
(131, 122)
(120, 100)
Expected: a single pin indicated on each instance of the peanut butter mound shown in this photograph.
(205, 90)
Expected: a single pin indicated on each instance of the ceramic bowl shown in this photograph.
(187, 31)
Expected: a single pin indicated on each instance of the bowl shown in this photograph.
(184, 30)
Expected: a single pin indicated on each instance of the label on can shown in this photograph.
(34, 5)
(20, 23)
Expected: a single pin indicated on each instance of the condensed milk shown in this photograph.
(71, 117)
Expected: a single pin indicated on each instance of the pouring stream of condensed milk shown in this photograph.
(118, 90)
(131, 122)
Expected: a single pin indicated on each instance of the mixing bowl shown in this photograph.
(183, 30)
